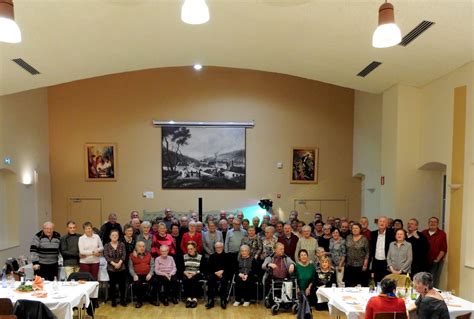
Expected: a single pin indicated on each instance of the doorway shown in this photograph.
(83, 210)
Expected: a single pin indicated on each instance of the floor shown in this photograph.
(179, 311)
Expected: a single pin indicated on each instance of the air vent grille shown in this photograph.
(369, 68)
(416, 32)
(26, 66)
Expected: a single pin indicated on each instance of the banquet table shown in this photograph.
(60, 302)
(351, 302)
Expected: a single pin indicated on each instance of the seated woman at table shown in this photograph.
(141, 266)
(192, 274)
(386, 301)
(305, 272)
(115, 254)
(400, 255)
(90, 250)
(325, 277)
(430, 304)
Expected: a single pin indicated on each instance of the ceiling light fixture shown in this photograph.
(197, 67)
(9, 30)
(387, 33)
(194, 12)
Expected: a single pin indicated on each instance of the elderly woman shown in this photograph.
(268, 242)
(253, 241)
(305, 272)
(324, 240)
(400, 254)
(210, 238)
(115, 254)
(90, 250)
(162, 238)
(357, 257)
(307, 243)
(430, 304)
(165, 273)
(145, 235)
(256, 224)
(337, 249)
(128, 240)
(194, 236)
(244, 277)
(141, 266)
(325, 277)
(192, 274)
(386, 301)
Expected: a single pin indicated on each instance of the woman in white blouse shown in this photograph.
(90, 250)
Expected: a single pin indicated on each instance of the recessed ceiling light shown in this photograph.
(197, 67)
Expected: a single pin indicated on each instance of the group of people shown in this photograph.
(159, 256)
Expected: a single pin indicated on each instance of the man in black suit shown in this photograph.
(380, 240)
(420, 247)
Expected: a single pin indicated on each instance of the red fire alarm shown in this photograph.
(382, 180)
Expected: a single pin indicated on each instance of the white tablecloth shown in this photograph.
(351, 302)
(74, 296)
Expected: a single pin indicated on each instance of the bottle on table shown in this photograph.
(4, 279)
(372, 284)
(55, 284)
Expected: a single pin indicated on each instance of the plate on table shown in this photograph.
(58, 295)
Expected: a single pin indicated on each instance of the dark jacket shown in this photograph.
(420, 248)
(69, 249)
(389, 237)
(218, 262)
(29, 309)
(106, 229)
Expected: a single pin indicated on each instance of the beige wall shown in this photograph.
(24, 138)
(288, 111)
(367, 150)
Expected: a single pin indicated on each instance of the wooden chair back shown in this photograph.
(6, 306)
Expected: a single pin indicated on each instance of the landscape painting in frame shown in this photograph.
(305, 165)
(101, 161)
(203, 157)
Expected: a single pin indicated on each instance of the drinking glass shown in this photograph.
(343, 285)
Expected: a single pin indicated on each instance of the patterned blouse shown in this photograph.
(357, 251)
(115, 255)
(337, 250)
(268, 246)
(255, 245)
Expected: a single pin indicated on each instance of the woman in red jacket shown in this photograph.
(162, 238)
(192, 235)
(386, 301)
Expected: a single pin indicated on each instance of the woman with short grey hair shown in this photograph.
(145, 235)
(430, 304)
(244, 278)
(307, 243)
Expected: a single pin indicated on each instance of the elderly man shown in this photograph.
(223, 227)
(293, 216)
(134, 214)
(364, 223)
(69, 249)
(136, 224)
(344, 231)
(380, 240)
(279, 228)
(195, 216)
(219, 270)
(317, 216)
(289, 241)
(278, 266)
(419, 246)
(44, 251)
(165, 272)
(141, 266)
(438, 248)
(183, 225)
(230, 219)
(240, 215)
(222, 215)
(107, 227)
(234, 238)
(168, 219)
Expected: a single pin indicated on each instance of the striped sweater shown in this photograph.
(192, 263)
(44, 250)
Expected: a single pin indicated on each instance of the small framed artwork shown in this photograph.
(305, 165)
(101, 161)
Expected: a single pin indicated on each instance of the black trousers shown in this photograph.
(243, 288)
(117, 278)
(141, 287)
(354, 276)
(192, 286)
(170, 286)
(48, 271)
(379, 268)
(212, 284)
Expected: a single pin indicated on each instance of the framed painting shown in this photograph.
(203, 157)
(101, 161)
(305, 165)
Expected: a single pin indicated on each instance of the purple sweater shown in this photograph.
(165, 265)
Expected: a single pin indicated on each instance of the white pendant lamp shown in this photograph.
(194, 12)
(9, 30)
(387, 33)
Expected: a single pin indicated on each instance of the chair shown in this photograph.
(401, 280)
(86, 276)
(391, 315)
(29, 309)
(466, 316)
(6, 306)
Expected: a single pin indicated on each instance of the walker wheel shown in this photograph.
(275, 309)
(295, 308)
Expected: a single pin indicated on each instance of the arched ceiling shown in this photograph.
(325, 40)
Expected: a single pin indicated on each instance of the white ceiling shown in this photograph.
(325, 40)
